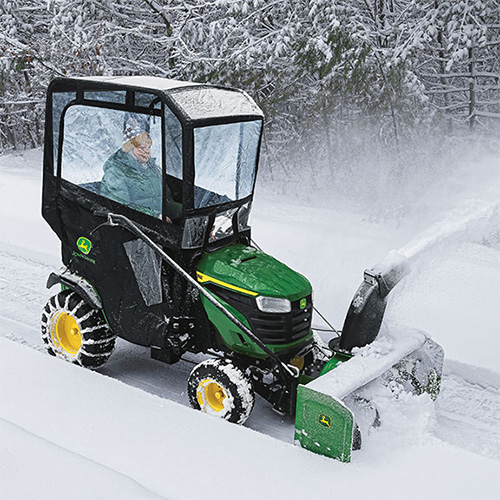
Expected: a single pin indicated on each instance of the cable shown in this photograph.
(327, 322)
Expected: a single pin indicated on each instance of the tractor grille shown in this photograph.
(271, 328)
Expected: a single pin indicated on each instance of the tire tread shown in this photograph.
(98, 340)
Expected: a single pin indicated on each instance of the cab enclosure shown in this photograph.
(205, 143)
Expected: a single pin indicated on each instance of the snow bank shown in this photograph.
(37, 468)
(157, 447)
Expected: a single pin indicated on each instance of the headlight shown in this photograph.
(273, 305)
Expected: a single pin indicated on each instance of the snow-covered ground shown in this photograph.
(126, 431)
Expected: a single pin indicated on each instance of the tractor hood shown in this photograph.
(251, 272)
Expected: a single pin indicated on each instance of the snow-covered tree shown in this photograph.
(24, 71)
(455, 47)
(317, 67)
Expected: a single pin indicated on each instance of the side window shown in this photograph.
(173, 144)
(115, 154)
(144, 100)
(117, 96)
(225, 159)
(59, 102)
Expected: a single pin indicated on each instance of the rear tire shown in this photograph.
(219, 388)
(76, 332)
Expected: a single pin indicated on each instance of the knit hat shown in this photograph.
(134, 125)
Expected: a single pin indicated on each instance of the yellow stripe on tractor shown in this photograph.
(203, 278)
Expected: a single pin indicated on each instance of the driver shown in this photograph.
(131, 175)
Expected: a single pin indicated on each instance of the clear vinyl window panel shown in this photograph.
(114, 153)
(173, 144)
(59, 101)
(146, 264)
(117, 96)
(145, 100)
(225, 159)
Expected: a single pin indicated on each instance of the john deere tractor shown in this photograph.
(148, 183)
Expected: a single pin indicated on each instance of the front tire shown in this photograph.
(76, 332)
(219, 388)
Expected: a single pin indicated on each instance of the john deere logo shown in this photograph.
(303, 303)
(325, 420)
(84, 245)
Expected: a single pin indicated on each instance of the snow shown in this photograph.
(478, 218)
(174, 452)
(455, 297)
(211, 102)
(126, 431)
(371, 362)
(74, 476)
(147, 82)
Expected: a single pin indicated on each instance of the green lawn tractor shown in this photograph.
(148, 183)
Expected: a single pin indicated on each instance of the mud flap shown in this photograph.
(323, 424)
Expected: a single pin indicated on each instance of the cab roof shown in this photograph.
(144, 82)
(194, 101)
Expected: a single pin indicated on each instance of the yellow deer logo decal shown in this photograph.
(84, 245)
(325, 420)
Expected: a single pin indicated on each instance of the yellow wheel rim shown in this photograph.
(66, 333)
(212, 394)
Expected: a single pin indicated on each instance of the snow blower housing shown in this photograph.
(148, 183)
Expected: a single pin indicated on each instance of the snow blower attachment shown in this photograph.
(366, 312)
(324, 424)
(152, 208)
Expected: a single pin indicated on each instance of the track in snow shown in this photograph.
(468, 412)
(22, 295)
(467, 409)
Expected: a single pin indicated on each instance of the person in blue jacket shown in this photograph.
(131, 175)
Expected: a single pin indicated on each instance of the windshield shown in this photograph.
(225, 158)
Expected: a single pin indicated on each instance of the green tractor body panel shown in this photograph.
(253, 271)
(323, 424)
(334, 361)
(249, 273)
(237, 340)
